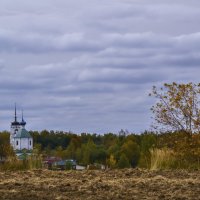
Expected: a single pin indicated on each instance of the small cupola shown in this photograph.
(22, 123)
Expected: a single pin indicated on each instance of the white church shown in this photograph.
(20, 138)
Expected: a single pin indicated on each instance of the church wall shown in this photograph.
(12, 134)
(17, 144)
(30, 143)
(23, 143)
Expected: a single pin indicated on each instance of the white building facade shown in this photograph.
(20, 138)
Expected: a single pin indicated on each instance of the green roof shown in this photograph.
(23, 133)
(22, 151)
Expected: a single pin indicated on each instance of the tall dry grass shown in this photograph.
(162, 159)
(30, 163)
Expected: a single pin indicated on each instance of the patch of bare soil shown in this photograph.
(110, 184)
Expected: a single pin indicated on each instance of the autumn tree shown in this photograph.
(177, 108)
(111, 162)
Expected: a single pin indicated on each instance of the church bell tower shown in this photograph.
(14, 128)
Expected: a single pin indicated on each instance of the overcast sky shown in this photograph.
(88, 65)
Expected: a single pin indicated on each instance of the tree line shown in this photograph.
(112, 150)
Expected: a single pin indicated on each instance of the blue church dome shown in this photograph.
(15, 123)
(22, 123)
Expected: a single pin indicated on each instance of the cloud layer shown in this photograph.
(88, 66)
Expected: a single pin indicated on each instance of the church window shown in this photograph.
(30, 142)
(17, 143)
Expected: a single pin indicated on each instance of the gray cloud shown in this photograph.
(89, 65)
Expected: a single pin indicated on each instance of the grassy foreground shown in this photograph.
(93, 184)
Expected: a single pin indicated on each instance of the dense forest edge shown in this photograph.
(171, 150)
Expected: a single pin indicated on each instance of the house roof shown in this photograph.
(64, 162)
(22, 133)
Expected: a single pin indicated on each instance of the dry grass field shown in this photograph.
(110, 184)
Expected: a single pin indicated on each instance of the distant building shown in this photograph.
(20, 138)
(57, 163)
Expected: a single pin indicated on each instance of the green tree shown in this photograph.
(88, 152)
(71, 150)
(114, 150)
(79, 155)
(99, 154)
(123, 162)
(59, 152)
(177, 107)
(132, 151)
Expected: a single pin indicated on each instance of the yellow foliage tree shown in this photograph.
(111, 162)
(177, 107)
